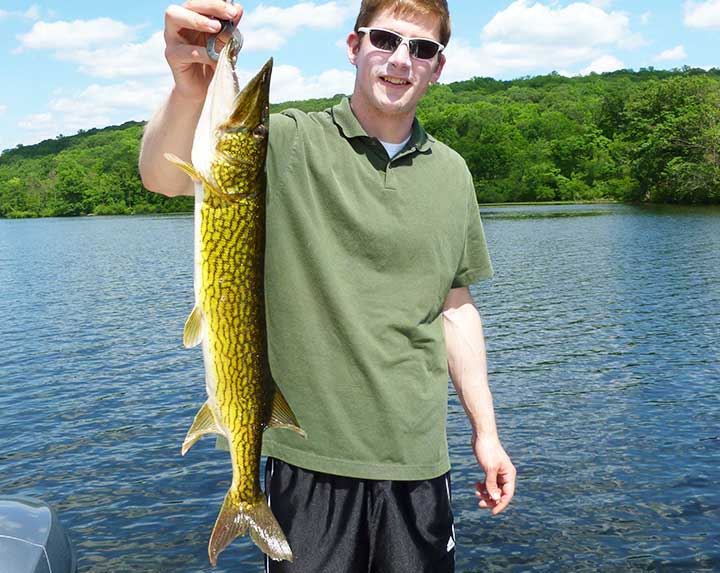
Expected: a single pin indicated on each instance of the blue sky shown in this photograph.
(74, 64)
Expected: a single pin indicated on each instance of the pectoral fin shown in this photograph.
(204, 423)
(193, 331)
(189, 168)
(282, 416)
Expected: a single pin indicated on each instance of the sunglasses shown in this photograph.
(388, 41)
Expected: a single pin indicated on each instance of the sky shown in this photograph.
(67, 65)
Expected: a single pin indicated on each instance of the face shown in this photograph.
(392, 83)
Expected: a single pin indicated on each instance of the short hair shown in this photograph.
(370, 8)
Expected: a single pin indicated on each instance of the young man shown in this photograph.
(373, 236)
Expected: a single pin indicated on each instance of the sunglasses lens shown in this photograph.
(384, 40)
(423, 49)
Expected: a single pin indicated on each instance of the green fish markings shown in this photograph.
(229, 151)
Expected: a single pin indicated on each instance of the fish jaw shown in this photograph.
(219, 104)
(242, 139)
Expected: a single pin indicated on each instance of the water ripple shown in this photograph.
(602, 326)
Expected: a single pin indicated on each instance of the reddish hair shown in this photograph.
(439, 8)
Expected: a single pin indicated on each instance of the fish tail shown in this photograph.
(234, 520)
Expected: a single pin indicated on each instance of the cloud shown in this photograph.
(32, 13)
(676, 53)
(603, 64)
(702, 14)
(78, 34)
(531, 36)
(270, 27)
(578, 25)
(645, 17)
(129, 60)
(289, 84)
(3, 109)
(465, 61)
(94, 106)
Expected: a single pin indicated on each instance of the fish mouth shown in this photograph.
(252, 105)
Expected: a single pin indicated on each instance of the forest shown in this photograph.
(648, 136)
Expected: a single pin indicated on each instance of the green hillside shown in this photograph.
(650, 136)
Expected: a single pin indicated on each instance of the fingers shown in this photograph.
(491, 483)
(181, 55)
(498, 489)
(198, 16)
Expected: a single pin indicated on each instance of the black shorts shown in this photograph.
(337, 524)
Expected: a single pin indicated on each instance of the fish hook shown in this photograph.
(229, 27)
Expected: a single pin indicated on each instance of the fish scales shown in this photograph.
(232, 246)
(229, 150)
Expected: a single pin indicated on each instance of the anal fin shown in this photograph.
(193, 331)
(282, 416)
(204, 423)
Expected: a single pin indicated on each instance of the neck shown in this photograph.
(391, 128)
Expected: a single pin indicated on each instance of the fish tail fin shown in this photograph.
(236, 517)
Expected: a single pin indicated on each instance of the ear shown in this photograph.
(438, 68)
(353, 46)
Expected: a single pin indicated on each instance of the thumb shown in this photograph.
(491, 483)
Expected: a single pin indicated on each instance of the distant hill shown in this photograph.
(650, 135)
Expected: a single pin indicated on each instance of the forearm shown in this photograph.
(171, 130)
(467, 362)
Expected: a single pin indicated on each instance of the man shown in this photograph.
(373, 238)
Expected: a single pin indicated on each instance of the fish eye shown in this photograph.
(260, 131)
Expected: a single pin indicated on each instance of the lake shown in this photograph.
(603, 332)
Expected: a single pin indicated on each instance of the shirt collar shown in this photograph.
(345, 119)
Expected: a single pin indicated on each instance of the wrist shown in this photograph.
(189, 101)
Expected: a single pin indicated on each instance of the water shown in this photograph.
(602, 325)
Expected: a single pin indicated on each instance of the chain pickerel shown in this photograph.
(228, 167)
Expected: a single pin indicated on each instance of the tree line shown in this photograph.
(645, 136)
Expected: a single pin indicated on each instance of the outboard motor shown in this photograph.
(32, 539)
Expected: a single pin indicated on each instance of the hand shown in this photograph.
(498, 488)
(187, 29)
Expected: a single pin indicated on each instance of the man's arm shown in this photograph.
(172, 128)
(467, 363)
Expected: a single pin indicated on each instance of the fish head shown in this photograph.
(242, 139)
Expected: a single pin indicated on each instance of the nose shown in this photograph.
(400, 58)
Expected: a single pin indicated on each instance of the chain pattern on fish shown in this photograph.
(229, 315)
(231, 253)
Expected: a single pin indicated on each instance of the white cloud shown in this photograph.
(3, 109)
(645, 17)
(38, 122)
(33, 13)
(465, 61)
(533, 36)
(702, 14)
(270, 27)
(576, 25)
(129, 60)
(603, 64)
(77, 34)
(676, 53)
(289, 84)
(94, 106)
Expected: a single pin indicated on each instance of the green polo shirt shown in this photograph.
(361, 253)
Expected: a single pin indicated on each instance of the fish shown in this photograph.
(228, 319)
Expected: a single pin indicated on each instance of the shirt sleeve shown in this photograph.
(475, 264)
(283, 134)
